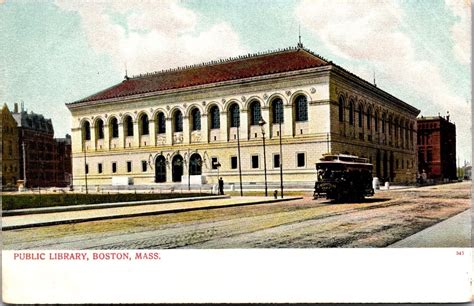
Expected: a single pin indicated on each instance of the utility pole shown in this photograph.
(24, 163)
(85, 166)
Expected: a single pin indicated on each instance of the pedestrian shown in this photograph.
(221, 186)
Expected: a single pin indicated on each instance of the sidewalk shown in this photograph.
(450, 233)
(75, 216)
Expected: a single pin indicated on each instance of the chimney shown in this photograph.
(15, 107)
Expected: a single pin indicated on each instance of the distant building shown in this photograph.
(467, 172)
(10, 163)
(46, 158)
(437, 147)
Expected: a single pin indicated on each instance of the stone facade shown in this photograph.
(152, 136)
(10, 163)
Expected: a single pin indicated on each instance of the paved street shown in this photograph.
(378, 222)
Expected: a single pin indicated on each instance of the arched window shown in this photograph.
(277, 111)
(161, 123)
(341, 109)
(178, 121)
(128, 126)
(396, 128)
(376, 121)
(100, 129)
(114, 127)
(195, 164)
(196, 119)
(234, 113)
(86, 130)
(390, 125)
(144, 124)
(369, 112)
(383, 123)
(351, 113)
(301, 108)
(215, 117)
(255, 113)
(361, 114)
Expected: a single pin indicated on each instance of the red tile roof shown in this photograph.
(242, 67)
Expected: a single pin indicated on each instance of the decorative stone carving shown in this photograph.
(185, 105)
(167, 107)
(288, 93)
(106, 115)
(196, 137)
(203, 103)
(313, 90)
(265, 96)
(223, 100)
(161, 140)
(92, 117)
(177, 138)
(135, 112)
(120, 114)
(243, 98)
(151, 110)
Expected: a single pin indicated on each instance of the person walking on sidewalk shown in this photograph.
(221, 186)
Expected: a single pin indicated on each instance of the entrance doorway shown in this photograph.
(177, 168)
(160, 169)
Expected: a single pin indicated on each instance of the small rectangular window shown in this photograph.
(114, 167)
(300, 160)
(129, 166)
(99, 168)
(233, 162)
(276, 161)
(255, 162)
(87, 168)
(144, 166)
(215, 163)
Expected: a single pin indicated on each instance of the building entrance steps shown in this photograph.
(124, 211)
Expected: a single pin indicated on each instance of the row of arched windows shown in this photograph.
(401, 127)
(254, 111)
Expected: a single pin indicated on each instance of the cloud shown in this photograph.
(362, 35)
(152, 35)
(461, 29)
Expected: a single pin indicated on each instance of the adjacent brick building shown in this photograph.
(159, 127)
(10, 163)
(48, 160)
(437, 147)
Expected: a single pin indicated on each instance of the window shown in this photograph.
(196, 117)
(351, 113)
(300, 160)
(144, 165)
(128, 126)
(234, 115)
(144, 124)
(86, 130)
(233, 162)
(87, 168)
(114, 167)
(178, 121)
(360, 115)
(383, 123)
(255, 113)
(99, 168)
(276, 161)
(369, 111)
(129, 166)
(301, 109)
(277, 111)
(215, 163)
(254, 161)
(161, 123)
(376, 121)
(341, 109)
(115, 129)
(100, 129)
(215, 117)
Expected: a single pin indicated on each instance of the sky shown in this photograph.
(57, 51)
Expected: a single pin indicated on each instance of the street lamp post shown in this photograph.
(262, 123)
(281, 160)
(85, 167)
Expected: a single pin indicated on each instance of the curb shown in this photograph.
(53, 209)
(140, 214)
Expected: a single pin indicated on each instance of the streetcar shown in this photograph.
(343, 177)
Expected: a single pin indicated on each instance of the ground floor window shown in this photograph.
(114, 167)
(144, 166)
(255, 162)
(129, 166)
(233, 162)
(99, 168)
(276, 161)
(87, 168)
(300, 160)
